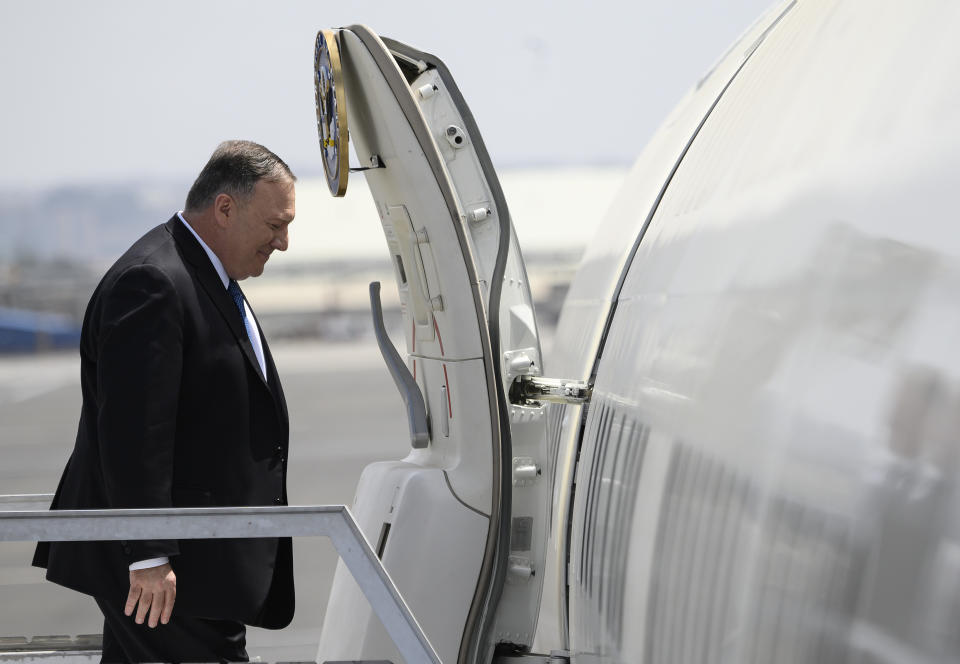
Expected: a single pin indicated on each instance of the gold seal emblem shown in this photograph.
(331, 111)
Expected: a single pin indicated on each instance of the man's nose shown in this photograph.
(280, 240)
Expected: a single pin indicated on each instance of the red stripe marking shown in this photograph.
(414, 368)
(439, 338)
(446, 381)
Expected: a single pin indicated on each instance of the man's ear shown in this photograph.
(224, 210)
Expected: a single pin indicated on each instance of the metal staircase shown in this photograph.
(24, 518)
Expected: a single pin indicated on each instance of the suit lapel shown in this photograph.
(207, 276)
(274, 383)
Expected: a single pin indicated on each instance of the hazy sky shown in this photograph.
(116, 90)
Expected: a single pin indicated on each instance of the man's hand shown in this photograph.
(156, 590)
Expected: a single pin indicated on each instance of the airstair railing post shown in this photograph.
(381, 593)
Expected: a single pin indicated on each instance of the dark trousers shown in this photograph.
(183, 639)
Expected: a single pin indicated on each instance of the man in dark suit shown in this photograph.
(182, 407)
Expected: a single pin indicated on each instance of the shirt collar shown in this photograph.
(217, 265)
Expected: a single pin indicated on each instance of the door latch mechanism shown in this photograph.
(531, 390)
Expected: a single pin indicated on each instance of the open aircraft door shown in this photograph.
(460, 522)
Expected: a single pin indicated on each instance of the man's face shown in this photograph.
(260, 226)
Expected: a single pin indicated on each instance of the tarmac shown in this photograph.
(345, 413)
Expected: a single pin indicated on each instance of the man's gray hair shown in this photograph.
(234, 169)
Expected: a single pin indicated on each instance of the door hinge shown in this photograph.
(530, 390)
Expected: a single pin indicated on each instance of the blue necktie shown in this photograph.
(234, 289)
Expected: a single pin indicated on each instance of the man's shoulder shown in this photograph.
(155, 253)
(156, 248)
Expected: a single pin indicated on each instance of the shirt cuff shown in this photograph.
(152, 562)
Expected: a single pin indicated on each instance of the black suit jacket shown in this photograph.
(176, 412)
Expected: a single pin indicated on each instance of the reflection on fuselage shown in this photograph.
(767, 471)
